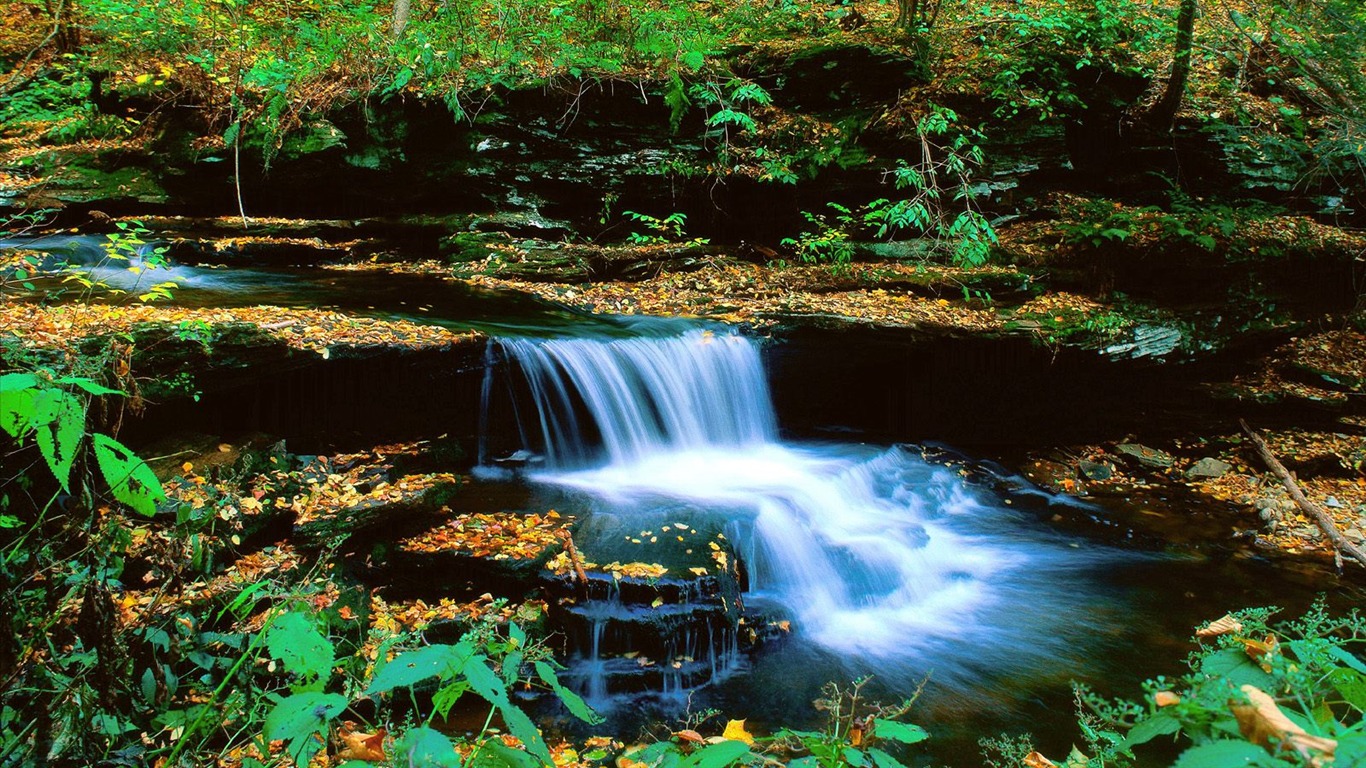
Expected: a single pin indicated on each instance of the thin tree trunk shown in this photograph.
(402, 9)
(1164, 114)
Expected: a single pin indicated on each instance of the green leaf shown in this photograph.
(301, 719)
(490, 686)
(441, 661)
(694, 60)
(716, 755)
(130, 479)
(17, 409)
(1347, 658)
(571, 700)
(1161, 724)
(294, 641)
(1351, 685)
(13, 382)
(59, 420)
(495, 754)
(88, 385)
(902, 732)
(883, 760)
(423, 747)
(1235, 665)
(1220, 754)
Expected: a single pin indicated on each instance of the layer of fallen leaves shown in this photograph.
(1302, 368)
(1334, 478)
(316, 330)
(500, 536)
(755, 293)
(332, 496)
(562, 565)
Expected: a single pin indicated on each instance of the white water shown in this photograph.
(872, 551)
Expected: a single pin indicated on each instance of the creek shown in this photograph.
(792, 561)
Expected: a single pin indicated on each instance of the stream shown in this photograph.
(850, 558)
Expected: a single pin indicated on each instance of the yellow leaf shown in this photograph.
(735, 731)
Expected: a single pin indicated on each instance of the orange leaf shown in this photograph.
(1220, 626)
(1263, 723)
(692, 736)
(1166, 699)
(1036, 760)
(357, 745)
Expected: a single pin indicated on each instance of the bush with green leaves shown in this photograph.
(1042, 56)
(941, 204)
(1259, 693)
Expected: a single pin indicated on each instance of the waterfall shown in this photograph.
(647, 396)
(872, 551)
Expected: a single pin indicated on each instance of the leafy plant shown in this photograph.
(941, 205)
(129, 250)
(825, 241)
(1285, 694)
(669, 229)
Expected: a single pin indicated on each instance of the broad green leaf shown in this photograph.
(294, 640)
(572, 701)
(902, 732)
(59, 421)
(443, 661)
(13, 382)
(423, 747)
(487, 684)
(17, 409)
(445, 698)
(302, 720)
(1351, 685)
(495, 754)
(716, 755)
(1221, 754)
(1234, 664)
(883, 760)
(1161, 724)
(1347, 658)
(854, 757)
(89, 386)
(130, 479)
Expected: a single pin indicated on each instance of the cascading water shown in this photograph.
(872, 552)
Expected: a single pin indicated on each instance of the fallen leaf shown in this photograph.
(357, 745)
(1166, 699)
(690, 736)
(735, 731)
(1221, 626)
(1263, 723)
(1036, 760)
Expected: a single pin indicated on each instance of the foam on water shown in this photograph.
(872, 551)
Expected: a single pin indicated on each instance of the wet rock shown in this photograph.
(330, 526)
(1208, 469)
(258, 251)
(1145, 456)
(1095, 470)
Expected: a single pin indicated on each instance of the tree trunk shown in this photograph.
(1164, 114)
(402, 9)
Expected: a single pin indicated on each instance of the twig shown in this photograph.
(574, 559)
(1330, 529)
